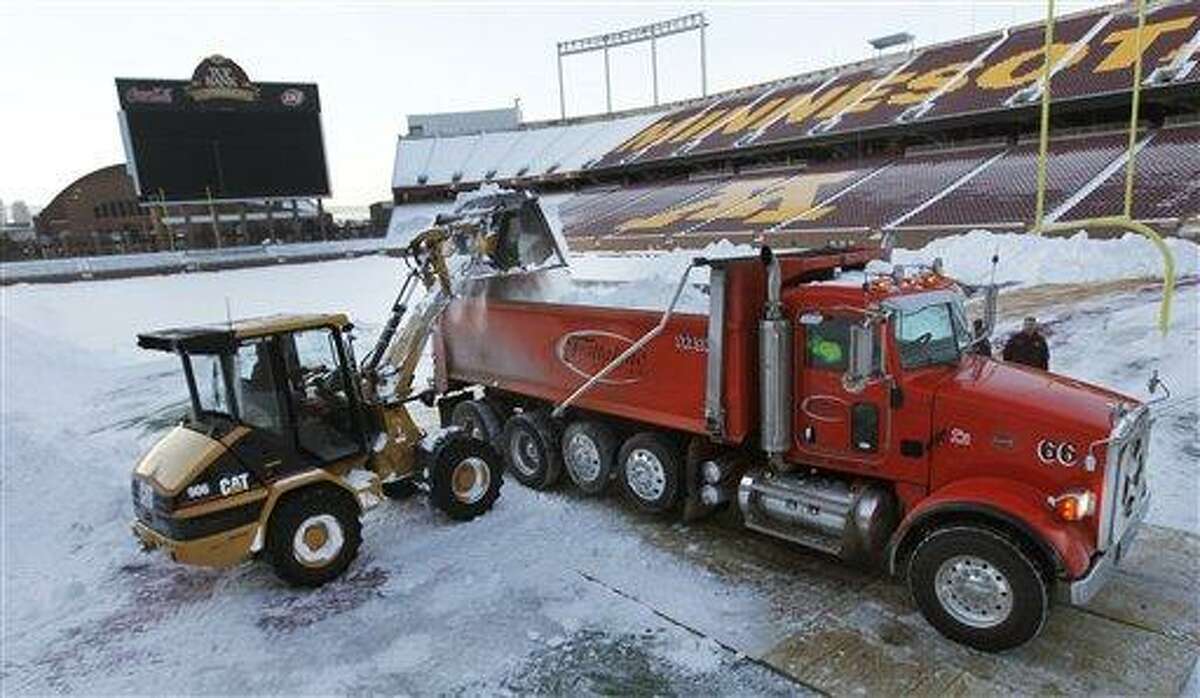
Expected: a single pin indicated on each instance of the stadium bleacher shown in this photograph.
(835, 142)
(1167, 181)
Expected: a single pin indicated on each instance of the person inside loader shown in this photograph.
(1028, 347)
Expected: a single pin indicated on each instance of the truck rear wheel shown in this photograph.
(651, 472)
(978, 587)
(313, 535)
(589, 452)
(531, 451)
(478, 419)
(465, 477)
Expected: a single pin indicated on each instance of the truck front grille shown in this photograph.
(1125, 476)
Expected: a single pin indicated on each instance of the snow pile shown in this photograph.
(1031, 259)
(644, 281)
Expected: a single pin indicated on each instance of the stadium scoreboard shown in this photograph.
(221, 137)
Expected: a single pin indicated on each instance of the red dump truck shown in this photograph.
(827, 406)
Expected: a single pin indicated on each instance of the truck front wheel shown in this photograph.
(978, 587)
(531, 450)
(651, 472)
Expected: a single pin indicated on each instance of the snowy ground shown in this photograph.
(548, 593)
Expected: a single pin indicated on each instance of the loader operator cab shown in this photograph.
(288, 380)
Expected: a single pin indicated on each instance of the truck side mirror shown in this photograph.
(861, 366)
(991, 297)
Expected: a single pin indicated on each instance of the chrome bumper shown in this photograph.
(1080, 591)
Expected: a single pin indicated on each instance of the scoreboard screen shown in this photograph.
(221, 137)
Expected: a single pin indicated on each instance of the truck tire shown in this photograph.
(531, 451)
(589, 453)
(313, 535)
(478, 419)
(978, 587)
(651, 472)
(465, 477)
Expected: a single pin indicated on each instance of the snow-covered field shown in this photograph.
(524, 600)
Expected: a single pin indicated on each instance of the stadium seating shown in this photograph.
(1166, 181)
(1003, 193)
(981, 87)
(898, 189)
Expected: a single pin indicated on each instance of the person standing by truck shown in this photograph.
(1028, 347)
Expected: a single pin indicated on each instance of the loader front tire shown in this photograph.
(313, 535)
(531, 451)
(465, 477)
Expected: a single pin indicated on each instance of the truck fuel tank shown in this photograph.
(852, 520)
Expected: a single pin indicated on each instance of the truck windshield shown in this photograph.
(932, 334)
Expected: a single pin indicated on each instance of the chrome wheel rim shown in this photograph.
(318, 540)
(583, 458)
(973, 591)
(645, 474)
(470, 480)
(523, 452)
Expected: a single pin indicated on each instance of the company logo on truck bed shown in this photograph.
(587, 352)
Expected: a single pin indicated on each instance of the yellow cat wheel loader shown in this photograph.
(289, 440)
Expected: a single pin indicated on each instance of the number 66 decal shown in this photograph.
(1051, 452)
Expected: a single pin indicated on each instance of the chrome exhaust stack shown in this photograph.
(775, 359)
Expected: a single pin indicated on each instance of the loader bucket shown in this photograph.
(520, 237)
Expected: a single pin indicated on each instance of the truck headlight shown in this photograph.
(1075, 505)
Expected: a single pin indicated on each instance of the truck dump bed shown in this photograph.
(692, 377)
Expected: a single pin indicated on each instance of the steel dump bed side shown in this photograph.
(546, 350)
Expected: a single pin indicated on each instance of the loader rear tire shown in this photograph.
(313, 535)
(465, 477)
(478, 419)
(589, 451)
(651, 472)
(531, 450)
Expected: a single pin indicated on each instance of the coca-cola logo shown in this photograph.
(587, 352)
(292, 97)
(149, 95)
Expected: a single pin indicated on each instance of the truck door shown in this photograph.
(833, 424)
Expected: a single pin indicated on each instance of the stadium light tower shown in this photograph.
(647, 32)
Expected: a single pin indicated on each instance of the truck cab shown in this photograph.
(987, 484)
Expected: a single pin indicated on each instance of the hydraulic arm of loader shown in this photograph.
(494, 234)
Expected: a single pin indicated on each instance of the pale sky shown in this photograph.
(376, 62)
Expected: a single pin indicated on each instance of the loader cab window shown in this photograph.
(258, 392)
(211, 373)
(320, 402)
